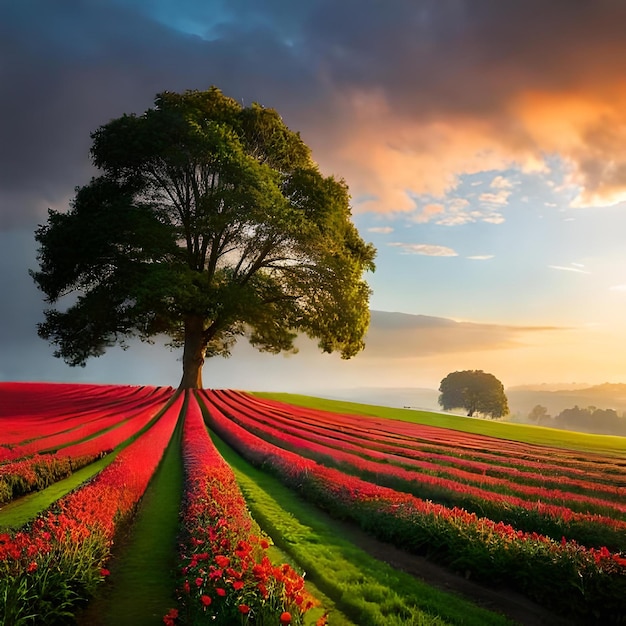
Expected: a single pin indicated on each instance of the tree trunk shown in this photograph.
(193, 353)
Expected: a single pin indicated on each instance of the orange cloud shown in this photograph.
(494, 87)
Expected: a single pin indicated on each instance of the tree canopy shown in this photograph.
(475, 391)
(209, 221)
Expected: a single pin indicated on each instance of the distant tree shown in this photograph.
(475, 391)
(575, 418)
(209, 222)
(538, 414)
(591, 419)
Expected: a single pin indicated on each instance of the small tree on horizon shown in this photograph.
(475, 391)
(538, 414)
(209, 222)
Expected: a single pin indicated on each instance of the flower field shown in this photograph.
(547, 522)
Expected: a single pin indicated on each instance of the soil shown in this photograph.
(513, 605)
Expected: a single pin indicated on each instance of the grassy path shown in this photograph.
(18, 512)
(141, 586)
(364, 591)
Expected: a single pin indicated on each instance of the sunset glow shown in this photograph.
(484, 145)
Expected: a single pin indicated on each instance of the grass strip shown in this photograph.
(369, 592)
(15, 514)
(526, 433)
(141, 586)
(18, 512)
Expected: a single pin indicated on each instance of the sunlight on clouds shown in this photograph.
(424, 249)
(393, 157)
(427, 213)
(480, 257)
(500, 182)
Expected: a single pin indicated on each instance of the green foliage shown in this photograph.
(208, 215)
(473, 390)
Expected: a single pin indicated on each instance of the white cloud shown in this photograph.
(567, 268)
(381, 230)
(424, 249)
(500, 182)
(500, 197)
(481, 257)
(495, 218)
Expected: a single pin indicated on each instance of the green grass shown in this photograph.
(142, 584)
(18, 512)
(365, 591)
(527, 433)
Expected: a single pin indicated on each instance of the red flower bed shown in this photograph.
(226, 573)
(563, 575)
(65, 549)
(446, 458)
(445, 440)
(58, 420)
(552, 512)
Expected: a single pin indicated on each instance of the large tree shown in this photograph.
(475, 391)
(208, 221)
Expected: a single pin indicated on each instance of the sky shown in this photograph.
(483, 142)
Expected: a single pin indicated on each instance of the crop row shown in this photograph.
(56, 562)
(479, 466)
(27, 434)
(538, 515)
(50, 567)
(226, 573)
(563, 575)
(456, 444)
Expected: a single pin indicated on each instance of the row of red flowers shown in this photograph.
(56, 562)
(564, 575)
(555, 518)
(419, 437)
(226, 576)
(46, 431)
(589, 479)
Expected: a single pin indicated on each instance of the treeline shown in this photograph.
(587, 420)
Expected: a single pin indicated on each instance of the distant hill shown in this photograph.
(605, 396)
(522, 399)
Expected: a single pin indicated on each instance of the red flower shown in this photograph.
(244, 608)
(220, 591)
(285, 618)
(205, 600)
(104, 572)
(32, 566)
(222, 561)
(170, 618)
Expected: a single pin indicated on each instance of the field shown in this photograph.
(142, 505)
